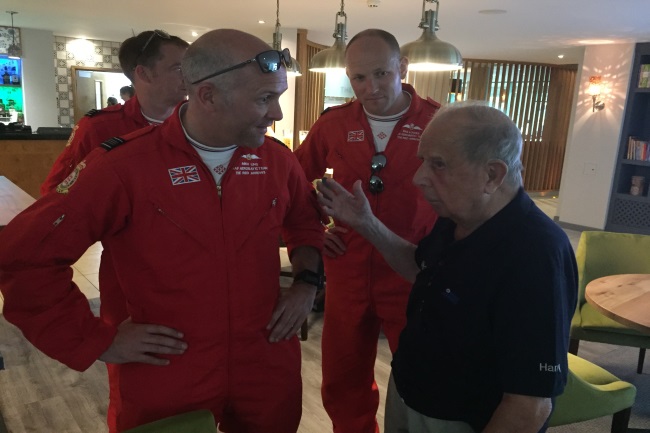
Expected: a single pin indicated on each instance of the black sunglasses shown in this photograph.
(269, 61)
(160, 33)
(376, 164)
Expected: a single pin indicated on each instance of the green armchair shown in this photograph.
(592, 392)
(600, 254)
(198, 421)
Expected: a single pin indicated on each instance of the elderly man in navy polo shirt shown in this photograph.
(495, 283)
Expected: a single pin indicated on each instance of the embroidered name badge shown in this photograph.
(410, 131)
(356, 135)
(181, 175)
(64, 186)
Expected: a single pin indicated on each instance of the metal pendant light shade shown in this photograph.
(333, 58)
(294, 68)
(429, 53)
(14, 51)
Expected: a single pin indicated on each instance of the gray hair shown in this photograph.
(486, 134)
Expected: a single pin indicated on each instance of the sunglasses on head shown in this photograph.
(268, 61)
(160, 33)
(377, 162)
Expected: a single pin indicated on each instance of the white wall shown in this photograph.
(39, 87)
(593, 142)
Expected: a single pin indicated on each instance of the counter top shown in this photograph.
(23, 136)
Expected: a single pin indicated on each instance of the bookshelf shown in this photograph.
(629, 205)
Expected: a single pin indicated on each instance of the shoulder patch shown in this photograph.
(278, 141)
(64, 187)
(111, 109)
(112, 143)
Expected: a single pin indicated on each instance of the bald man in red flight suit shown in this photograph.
(374, 139)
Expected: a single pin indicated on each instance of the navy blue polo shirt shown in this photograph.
(488, 314)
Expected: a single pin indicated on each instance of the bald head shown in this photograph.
(220, 49)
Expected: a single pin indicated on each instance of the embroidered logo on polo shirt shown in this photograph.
(356, 135)
(182, 175)
(64, 186)
(250, 156)
(549, 368)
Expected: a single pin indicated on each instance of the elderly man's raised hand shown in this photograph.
(351, 208)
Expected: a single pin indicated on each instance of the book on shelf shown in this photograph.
(638, 150)
(644, 76)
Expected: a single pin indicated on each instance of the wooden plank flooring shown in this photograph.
(38, 394)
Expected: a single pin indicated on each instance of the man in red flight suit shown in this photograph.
(374, 138)
(151, 60)
(191, 212)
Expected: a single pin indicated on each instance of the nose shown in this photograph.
(275, 111)
(371, 85)
(419, 177)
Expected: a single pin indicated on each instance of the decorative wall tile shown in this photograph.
(103, 55)
(7, 37)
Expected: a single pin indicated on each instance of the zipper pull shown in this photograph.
(219, 190)
(58, 220)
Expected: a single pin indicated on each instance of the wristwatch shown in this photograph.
(310, 277)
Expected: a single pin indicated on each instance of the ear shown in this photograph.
(496, 174)
(142, 73)
(403, 67)
(208, 96)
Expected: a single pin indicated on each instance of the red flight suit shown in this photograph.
(187, 257)
(363, 293)
(94, 128)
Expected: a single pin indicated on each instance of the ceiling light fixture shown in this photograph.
(333, 58)
(429, 53)
(373, 3)
(14, 51)
(294, 68)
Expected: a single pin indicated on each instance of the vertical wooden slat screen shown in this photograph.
(310, 93)
(528, 93)
(434, 85)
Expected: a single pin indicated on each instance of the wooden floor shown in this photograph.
(40, 395)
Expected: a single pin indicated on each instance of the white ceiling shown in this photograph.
(530, 30)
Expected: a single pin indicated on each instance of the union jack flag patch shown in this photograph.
(356, 135)
(181, 175)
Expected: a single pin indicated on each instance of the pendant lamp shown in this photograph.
(333, 58)
(429, 53)
(14, 51)
(293, 69)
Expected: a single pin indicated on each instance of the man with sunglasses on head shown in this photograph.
(151, 60)
(374, 138)
(191, 212)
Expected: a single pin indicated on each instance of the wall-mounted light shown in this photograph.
(595, 89)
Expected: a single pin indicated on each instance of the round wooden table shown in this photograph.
(624, 298)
